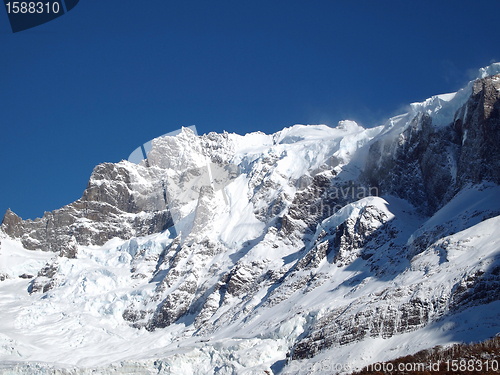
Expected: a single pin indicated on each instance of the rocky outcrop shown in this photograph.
(101, 214)
(478, 126)
(478, 288)
(46, 279)
(426, 164)
(418, 166)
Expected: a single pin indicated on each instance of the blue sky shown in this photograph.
(91, 86)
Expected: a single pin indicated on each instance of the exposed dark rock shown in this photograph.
(174, 306)
(45, 279)
(417, 166)
(350, 324)
(478, 125)
(427, 165)
(93, 219)
(476, 289)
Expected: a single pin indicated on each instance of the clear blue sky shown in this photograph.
(91, 86)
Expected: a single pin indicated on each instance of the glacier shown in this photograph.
(326, 250)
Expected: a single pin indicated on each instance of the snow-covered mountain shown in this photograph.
(311, 249)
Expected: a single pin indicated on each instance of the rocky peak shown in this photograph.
(102, 213)
(427, 164)
(478, 126)
(11, 224)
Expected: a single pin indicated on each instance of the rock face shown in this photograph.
(418, 166)
(478, 126)
(427, 165)
(313, 238)
(101, 214)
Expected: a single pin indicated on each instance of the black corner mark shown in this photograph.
(70, 4)
(24, 15)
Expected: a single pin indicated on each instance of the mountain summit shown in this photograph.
(313, 248)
